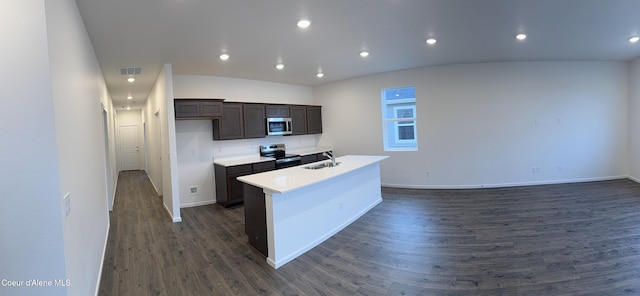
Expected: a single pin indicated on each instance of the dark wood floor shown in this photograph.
(570, 239)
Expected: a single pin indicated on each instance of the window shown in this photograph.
(399, 119)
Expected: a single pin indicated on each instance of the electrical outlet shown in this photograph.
(193, 189)
(428, 174)
(535, 170)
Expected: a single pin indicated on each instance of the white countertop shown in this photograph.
(293, 178)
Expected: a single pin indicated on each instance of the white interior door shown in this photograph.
(129, 148)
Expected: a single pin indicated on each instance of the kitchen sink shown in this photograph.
(321, 165)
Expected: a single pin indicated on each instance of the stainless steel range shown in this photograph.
(283, 160)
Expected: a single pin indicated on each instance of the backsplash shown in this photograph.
(250, 147)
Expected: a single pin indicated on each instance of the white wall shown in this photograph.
(129, 117)
(634, 120)
(31, 237)
(111, 146)
(194, 138)
(153, 149)
(490, 124)
(79, 94)
(49, 83)
(162, 160)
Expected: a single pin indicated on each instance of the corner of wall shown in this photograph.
(634, 120)
(173, 154)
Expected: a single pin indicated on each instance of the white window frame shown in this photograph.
(398, 122)
(393, 137)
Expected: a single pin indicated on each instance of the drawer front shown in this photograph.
(264, 166)
(239, 169)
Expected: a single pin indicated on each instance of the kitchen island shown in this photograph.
(292, 210)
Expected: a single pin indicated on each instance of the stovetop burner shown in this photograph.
(283, 159)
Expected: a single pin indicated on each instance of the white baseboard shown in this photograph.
(499, 185)
(634, 179)
(153, 184)
(197, 204)
(174, 219)
(114, 189)
(104, 253)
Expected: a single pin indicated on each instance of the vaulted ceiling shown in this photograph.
(258, 34)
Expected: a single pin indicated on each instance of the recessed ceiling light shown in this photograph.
(431, 41)
(320, 75)
(521, 36)
(129, 97)
(364, 53)
(279, 66)
(303, 24)
(224, 56)
(128, 108)
(131, 79)
(634, 39)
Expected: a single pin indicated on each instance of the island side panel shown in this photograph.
(301, 219)
(255, 220)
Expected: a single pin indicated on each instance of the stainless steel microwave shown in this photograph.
(278, 126)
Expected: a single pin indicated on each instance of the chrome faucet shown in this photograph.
(330, 155)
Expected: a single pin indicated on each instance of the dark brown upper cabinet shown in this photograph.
(197, 108)
(298, 120)
(231, 125)
(277, 111)
(248, 120)
(314, 119)
(255, 125)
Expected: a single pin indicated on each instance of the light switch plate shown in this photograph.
(67, 204)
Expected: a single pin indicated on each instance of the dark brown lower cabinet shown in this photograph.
(309, 158)
(255, 216)
(322, 157)
(229, 191)
(313, 158)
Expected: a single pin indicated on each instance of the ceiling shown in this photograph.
(258, 34)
